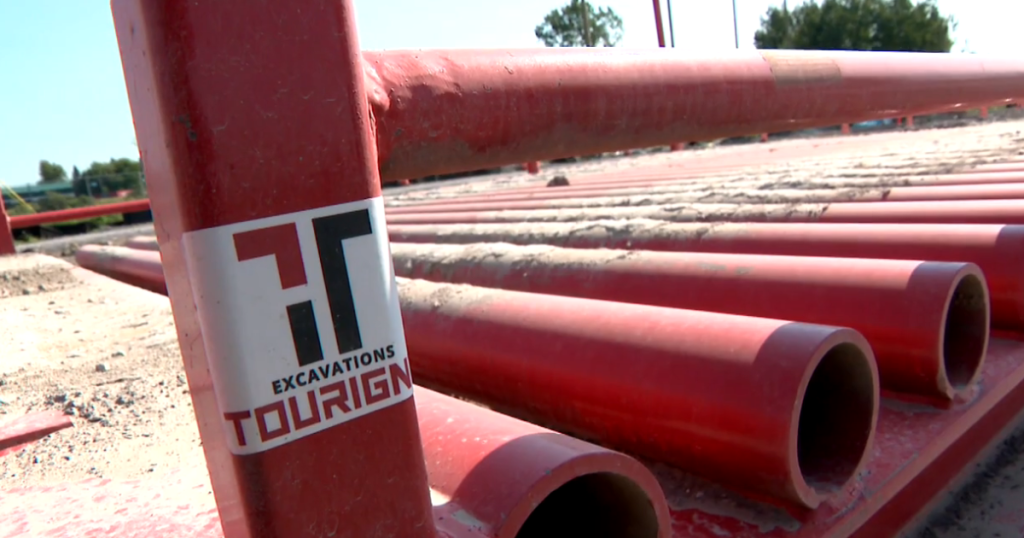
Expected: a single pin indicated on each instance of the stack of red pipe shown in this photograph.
(751, 353)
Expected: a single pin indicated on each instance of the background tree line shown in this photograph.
(879, 25)
(100, 180)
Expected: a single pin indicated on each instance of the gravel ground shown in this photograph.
(104, 353)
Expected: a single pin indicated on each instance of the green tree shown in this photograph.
(578, 24)
(50, 173)
(110, 177)
(55, 201)
(880, 25)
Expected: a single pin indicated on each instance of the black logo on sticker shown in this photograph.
(282, 242)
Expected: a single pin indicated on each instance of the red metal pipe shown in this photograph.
(6, 235)
(664, 175)
(142, 269)
(445, 111)
(751, 411)
(940, 308)
(998, 250)
(143, 242)
(723, 194)
(65, 215)
(1014, 166)
(931, 212)
(507, 478)
(669, 181)
(727, 192)
(212, 106)
(658, 25)
(727, 397)
(31, 427)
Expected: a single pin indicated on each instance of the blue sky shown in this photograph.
(62, 95)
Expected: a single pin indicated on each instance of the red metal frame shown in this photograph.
(207, 83)
(6, 236)
(65, 215)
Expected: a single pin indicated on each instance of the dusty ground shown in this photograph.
(990, 504)
(107, 354)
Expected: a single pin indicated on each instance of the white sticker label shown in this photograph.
(301, 321)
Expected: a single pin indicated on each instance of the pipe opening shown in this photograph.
(966, 332)
(598, 505)
(836, 418)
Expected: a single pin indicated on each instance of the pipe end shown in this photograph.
(965, 331)
(597, 505)
(837, 418)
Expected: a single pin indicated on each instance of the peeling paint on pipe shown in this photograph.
(996, 249)
(445, 111)
(766, 406)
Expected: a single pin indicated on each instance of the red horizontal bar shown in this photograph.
(446, 111)
(746, 192)
(30, 428)
(65, 215)
(994, 248)
(927, 212)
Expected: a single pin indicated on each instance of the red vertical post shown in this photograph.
(533, 167)
(845, 128)
(254, 129)
(984, 112)
(658, 24)
(6, 235)
(910, 122)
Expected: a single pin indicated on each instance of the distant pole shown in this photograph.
(586, 26)
(671, 28)
(657, 23)
(735, 27)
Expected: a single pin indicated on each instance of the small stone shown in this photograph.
(101, 367)
(68, 458)
(558, 181)
(74, 355)
(42, 287)
(26, 291)
(117, 354)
